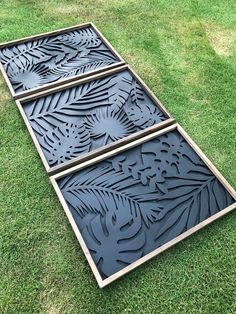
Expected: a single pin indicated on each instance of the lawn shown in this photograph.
(186, 53)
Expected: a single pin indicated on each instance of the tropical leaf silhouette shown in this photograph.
(101, 53)
(85, 38)
(93, 65)
(121, 201)
(29, 77)
(81, 100)
(169, 154)
(144, 115)
(92, 104)
(136, 93)
(75, 67)
(32, 52)
(120, 90)
(147, 175)
(189, 201)
(99, 189)
(64, 55)
(65, 142)
(109, 125)
(80, 62)
(115, 241)
(75, 101)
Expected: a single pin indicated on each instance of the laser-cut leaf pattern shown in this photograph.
(141, 113)
(196, 198)
(109, 125)
(85, 38)
(132, 203)
(124, 238)
(105, 187)
(65, 142)
(100, 105)
(72, 68)
(120, 91)
(144, 115)
(61, 56)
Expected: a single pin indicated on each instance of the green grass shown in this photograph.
(185, 51)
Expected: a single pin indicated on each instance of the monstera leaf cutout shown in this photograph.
(65, 142)
(115, 241)
(189, 201)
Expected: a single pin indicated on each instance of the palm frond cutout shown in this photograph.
(132, 203)
(77, 101)
(189, 201)
(85, 38)
(102, 189)
(64, 55)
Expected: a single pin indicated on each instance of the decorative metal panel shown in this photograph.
(80, 119)
(136, 201)
(49, 59)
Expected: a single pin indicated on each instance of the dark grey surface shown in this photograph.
(50, 59)
(80, 119)
(138, 200)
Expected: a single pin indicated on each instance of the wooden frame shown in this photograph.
(102, 283)
(66, 80)
(70, 163)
